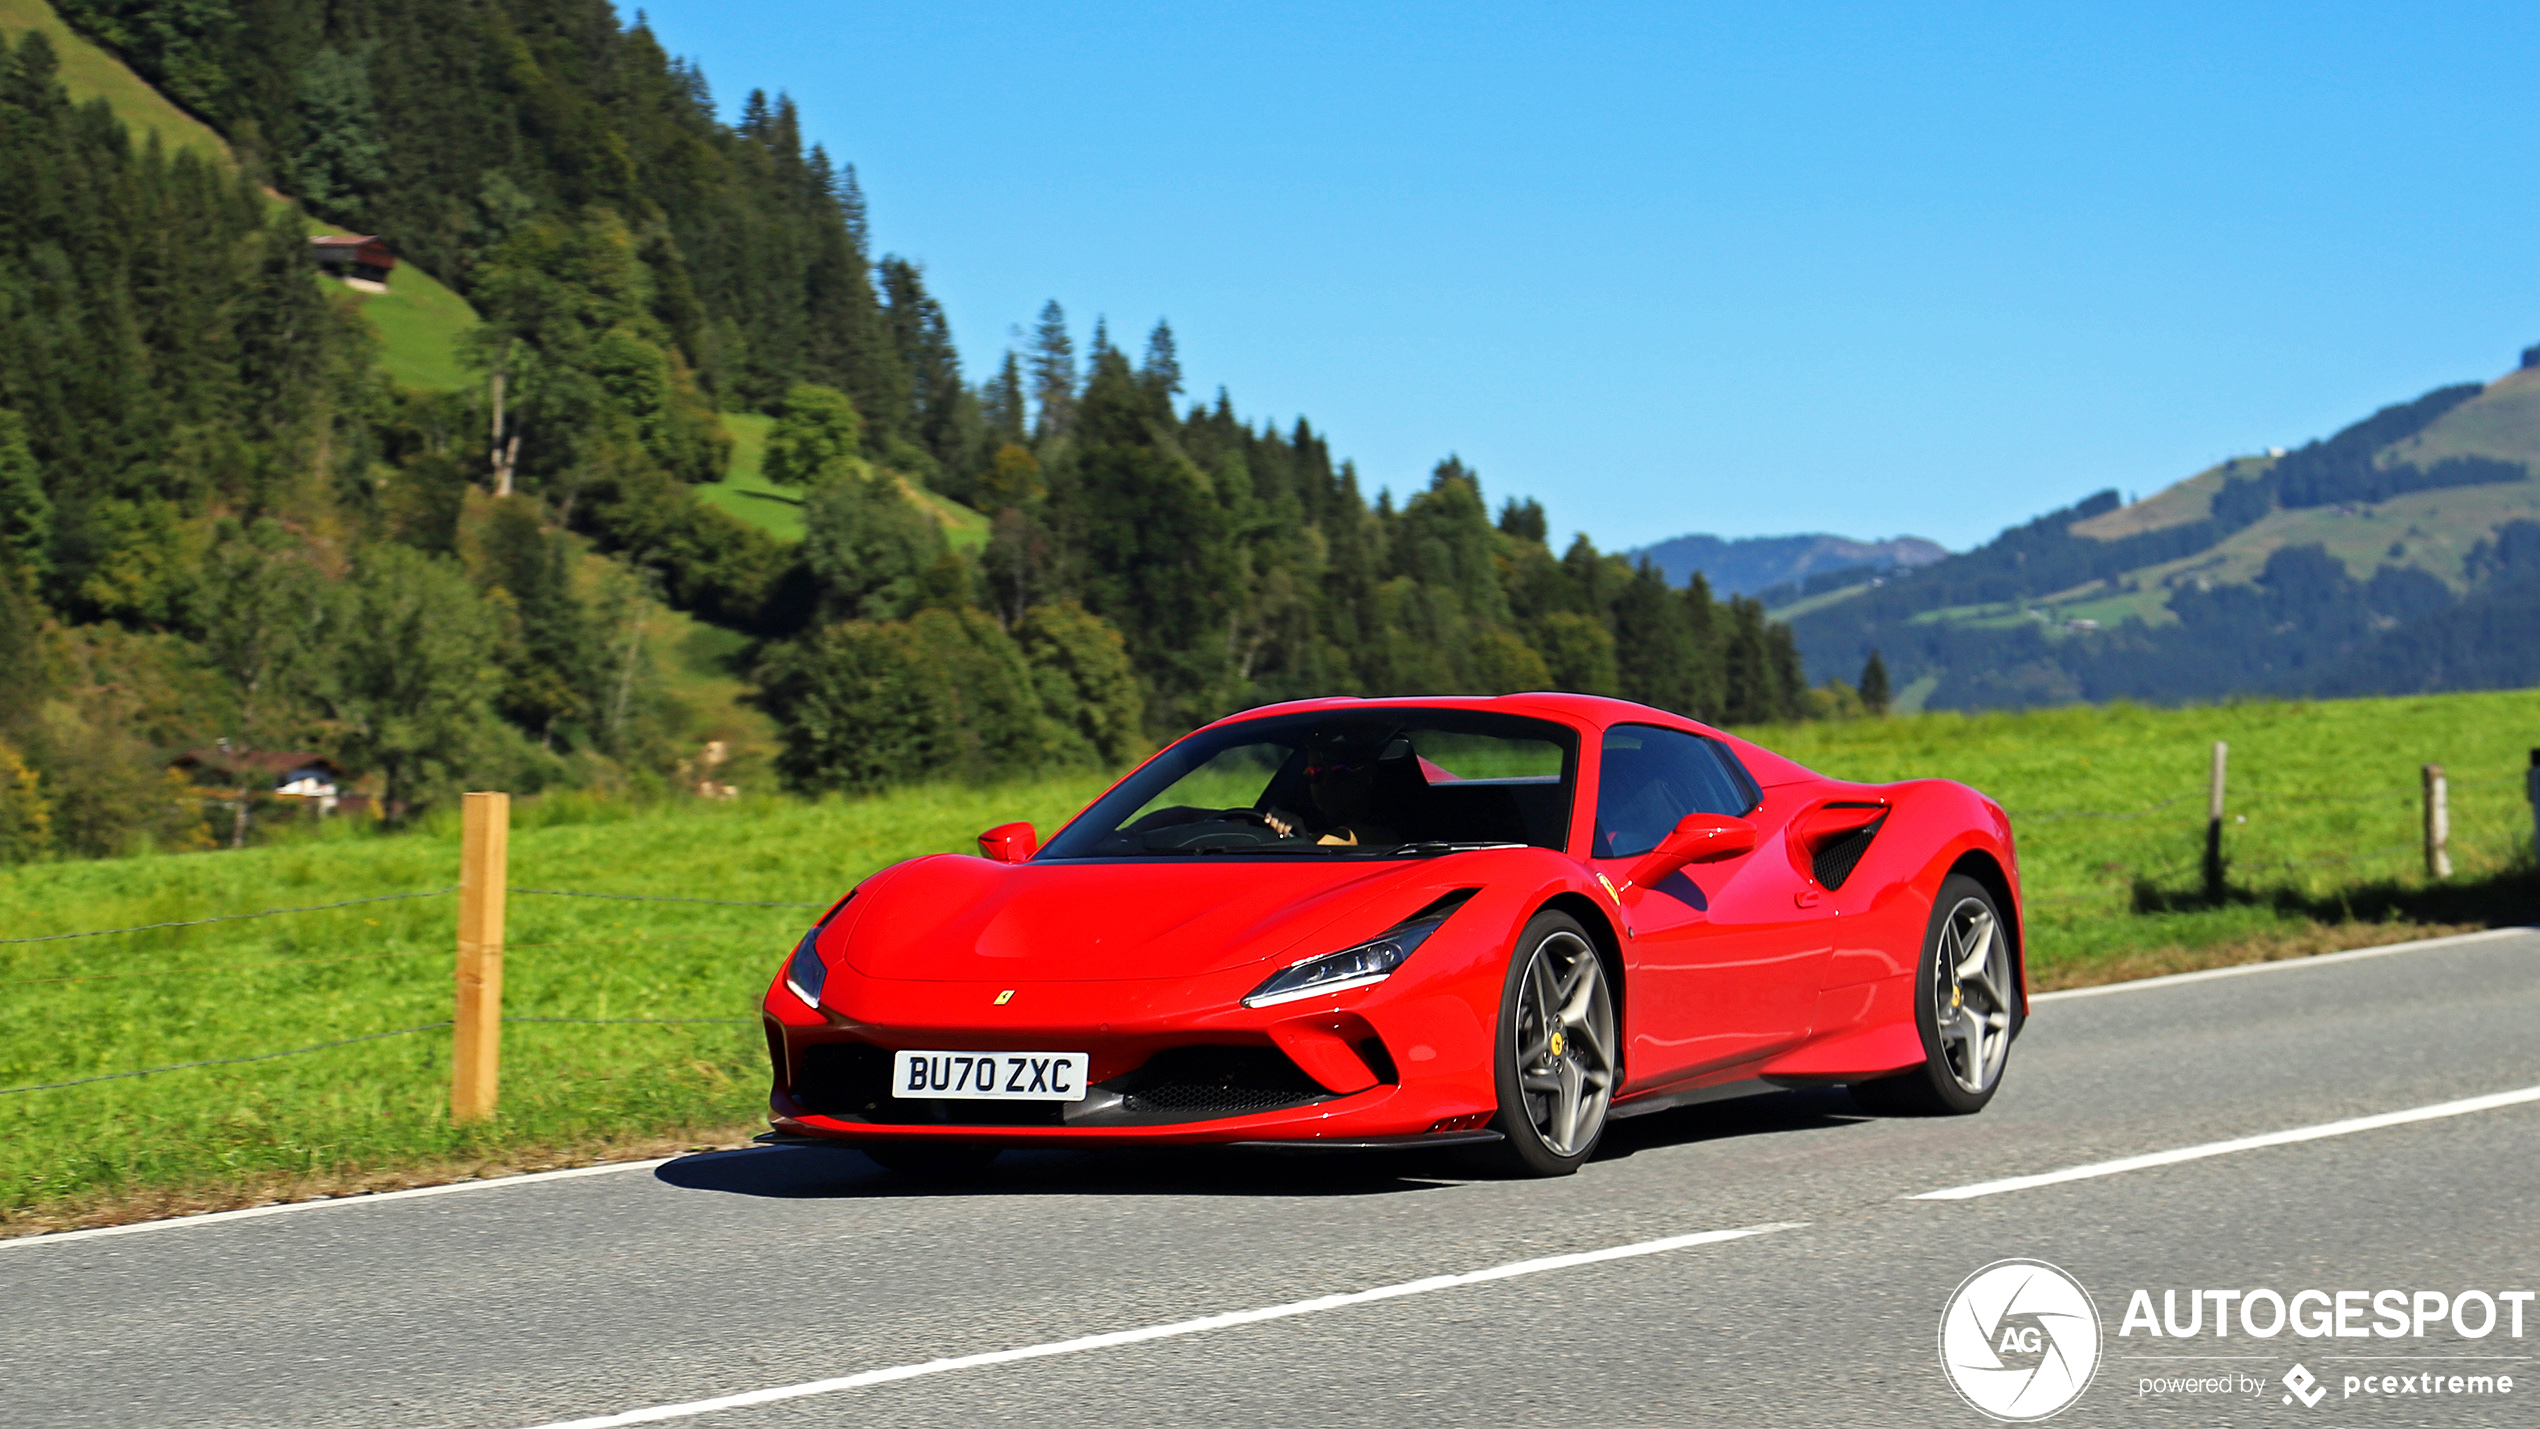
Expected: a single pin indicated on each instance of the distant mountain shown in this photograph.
(2400, 554)
(1750, 565)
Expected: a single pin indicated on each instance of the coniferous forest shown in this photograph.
(220, 520)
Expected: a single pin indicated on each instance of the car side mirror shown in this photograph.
(1696, 838)
(1010, 843)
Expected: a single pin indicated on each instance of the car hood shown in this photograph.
(959, 919)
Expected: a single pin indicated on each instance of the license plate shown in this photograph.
(989, 1076)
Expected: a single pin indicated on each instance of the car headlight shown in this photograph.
(806, 973)
(1369, 962)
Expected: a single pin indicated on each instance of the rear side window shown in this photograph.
(1651, 777)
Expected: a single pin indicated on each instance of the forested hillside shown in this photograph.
(1781, 568)
(2400, 554)
(221, 521)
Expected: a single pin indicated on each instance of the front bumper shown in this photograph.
(1402, 1058)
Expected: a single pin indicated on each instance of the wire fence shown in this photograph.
(637, 937)
(660, 898)
(223, 1061)
(234, 917)
(365, 1037)
(2182, 869)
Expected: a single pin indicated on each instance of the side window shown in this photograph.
(1650, 777)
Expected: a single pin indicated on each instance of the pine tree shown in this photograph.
(1874, 691)
(26, 513)
(1053, 373)
(946, 421)
(1001, 405)
(1162, 370)
(1522, 521)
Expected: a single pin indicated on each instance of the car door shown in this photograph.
(1724, 959)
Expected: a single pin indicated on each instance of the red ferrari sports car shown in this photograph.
(1357, 923)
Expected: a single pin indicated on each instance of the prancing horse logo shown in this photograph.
(1005, 997)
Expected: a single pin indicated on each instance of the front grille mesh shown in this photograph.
(1220, 1081)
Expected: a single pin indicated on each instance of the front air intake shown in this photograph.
(1200, 1082)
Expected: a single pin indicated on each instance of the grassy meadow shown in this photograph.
(420, 323)
(2108, 804)
(329, 1119)
(746, 492)
(2323, 839)
(89, 72)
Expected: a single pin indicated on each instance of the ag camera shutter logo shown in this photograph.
(2019, 1341)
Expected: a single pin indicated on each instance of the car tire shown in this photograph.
(1966, 1007)
(1559, 1052)
(931, 1160)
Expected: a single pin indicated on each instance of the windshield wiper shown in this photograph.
(1269, 848)
(1429, 847)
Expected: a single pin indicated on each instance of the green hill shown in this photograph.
(420, 322)
(89, 72)
(2400, 553)
(2431, 530)
(778, 509)
(418, 319)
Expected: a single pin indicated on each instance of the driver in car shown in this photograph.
(1341, 783)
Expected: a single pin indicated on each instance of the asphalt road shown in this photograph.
(543, 1300)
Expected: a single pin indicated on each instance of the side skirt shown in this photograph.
(1696, 1096)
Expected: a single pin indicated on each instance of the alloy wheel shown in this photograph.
(1565, 1043)
(1972, 998)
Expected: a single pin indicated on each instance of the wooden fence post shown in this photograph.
(2531, 790)
(2213, 823)
(2438, 824)
(476, 1044)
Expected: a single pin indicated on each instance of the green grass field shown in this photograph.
(418, 319)
(419, 322)
(2324, 829)
(778, 510)
(2108, 805)
(91, 73)
(84, 1007)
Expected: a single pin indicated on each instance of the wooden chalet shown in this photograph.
(361, 260)
(295, 778)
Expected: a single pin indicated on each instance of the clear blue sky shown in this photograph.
(1873, 269)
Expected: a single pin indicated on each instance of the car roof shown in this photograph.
(1588, 713)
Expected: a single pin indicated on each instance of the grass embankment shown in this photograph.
(418, 319)
(89, 72)
(746, 492)
(2322, 842)
(2108, 804)
(375, 1112)
(420, 322)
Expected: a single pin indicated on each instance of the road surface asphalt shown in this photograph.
(541, 1300)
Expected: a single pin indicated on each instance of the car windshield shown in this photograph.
(1380, 783)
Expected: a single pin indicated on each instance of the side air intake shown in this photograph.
(1837, 857)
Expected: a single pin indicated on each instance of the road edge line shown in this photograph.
(2145, 984)
(2321, 1131)
(357, 1198)
(655, 1414)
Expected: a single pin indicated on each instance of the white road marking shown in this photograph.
(2325, 1129)
(2146, 984)
(1081, 1344)
(365, 1198)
